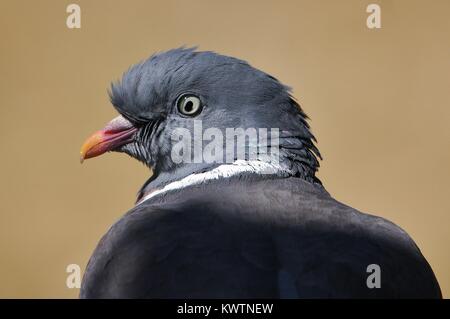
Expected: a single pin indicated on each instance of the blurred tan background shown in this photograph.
(379, 101)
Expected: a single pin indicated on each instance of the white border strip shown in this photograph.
(222, 171)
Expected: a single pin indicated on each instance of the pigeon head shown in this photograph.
(185, 88)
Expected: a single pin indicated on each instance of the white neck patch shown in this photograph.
(222, 171)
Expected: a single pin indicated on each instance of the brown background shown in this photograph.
(378, 100)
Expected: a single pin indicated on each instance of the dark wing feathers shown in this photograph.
(246, 239)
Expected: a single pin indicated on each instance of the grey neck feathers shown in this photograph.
(238, 167)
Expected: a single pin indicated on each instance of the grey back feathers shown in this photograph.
(254, 237)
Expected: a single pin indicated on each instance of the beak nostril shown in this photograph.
(119, 123)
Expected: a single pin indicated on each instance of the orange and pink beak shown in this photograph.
(116, 133)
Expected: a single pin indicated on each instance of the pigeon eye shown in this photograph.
(189, 105)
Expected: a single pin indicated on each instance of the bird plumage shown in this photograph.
(253, 237)
(199, 231)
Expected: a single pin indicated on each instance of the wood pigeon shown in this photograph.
(239, 228)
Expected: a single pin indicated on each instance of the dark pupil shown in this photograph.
(188, 106)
